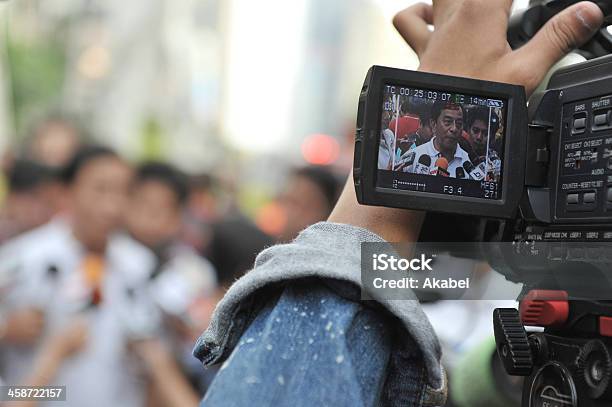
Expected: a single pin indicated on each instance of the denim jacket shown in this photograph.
(294, 332)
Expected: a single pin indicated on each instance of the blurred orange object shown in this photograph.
(320, 149)
(271, 218)
(93, 271)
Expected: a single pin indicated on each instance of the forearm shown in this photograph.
(44, 371)
(169, 382)
(393, 225)
(310, 347)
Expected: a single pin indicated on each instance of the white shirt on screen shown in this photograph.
(461, 156)
(385, 150)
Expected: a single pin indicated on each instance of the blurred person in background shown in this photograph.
(183, 284)
(154, 216)
(308, 197)
(204, 201)
(78, 265)
(51, 143)
(235, 243)
(28, 203)
(204, 206)
(54, 141)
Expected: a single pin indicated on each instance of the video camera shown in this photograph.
(537, 178)
(545, 179)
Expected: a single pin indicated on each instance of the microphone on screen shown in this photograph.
(405, 161)
(475, 172)
(440, 168)
(482, 165)
(422, 166)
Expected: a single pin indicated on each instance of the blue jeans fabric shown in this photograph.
(310, 346)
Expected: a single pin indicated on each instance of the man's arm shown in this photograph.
(168, 384)
(22, 326)
(309, 347)
(53, 352)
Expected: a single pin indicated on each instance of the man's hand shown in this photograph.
(167, 381)
(54, 351)
(24, 327)
(70, 340)
(151, 351)
(469, 39)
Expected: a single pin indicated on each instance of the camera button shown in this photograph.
(605, 326)
(357, 154)
(576, 253)
(601, 119)
(595, 253)
(360, 112)
(557, 253)
(580, 124)
(589, 197)
(572, 199)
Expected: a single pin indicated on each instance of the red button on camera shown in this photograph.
(605, 326)
(544, 308)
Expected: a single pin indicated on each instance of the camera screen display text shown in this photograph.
(441, 142)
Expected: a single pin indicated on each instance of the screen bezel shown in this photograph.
(368, 138)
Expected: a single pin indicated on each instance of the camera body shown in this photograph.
(569, 163)
(552, 195)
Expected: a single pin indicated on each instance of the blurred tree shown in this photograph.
(36, 70)
(153, 140)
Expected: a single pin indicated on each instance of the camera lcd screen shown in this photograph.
(441, 142)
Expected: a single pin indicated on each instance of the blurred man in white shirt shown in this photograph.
(81, 267)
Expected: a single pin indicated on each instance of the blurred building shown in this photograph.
(244, 88)
(193, 66)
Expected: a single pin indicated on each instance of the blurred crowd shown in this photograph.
(110, 270)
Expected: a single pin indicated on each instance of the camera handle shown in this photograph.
(567, 365)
